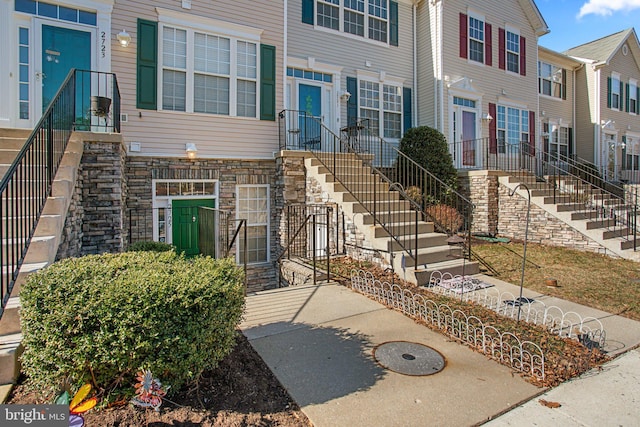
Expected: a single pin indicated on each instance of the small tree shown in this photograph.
(427, 147)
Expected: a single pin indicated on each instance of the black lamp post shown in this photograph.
(456, 243)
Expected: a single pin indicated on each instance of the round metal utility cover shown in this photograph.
(409, 358)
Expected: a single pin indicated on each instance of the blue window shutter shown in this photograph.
(407, 108)
(307, 11)
(571, 149)
(608, 92)
(147, 65)
(637, 100)
(267, 82)
(621, 95)
(393, 23)
(352, 104)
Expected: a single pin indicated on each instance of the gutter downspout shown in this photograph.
(440, 65)
(414, 101)
(573, 109)
(285, 101)
(597, 140)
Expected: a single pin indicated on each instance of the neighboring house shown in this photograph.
(352, 59)
(557, 100)
(607, 104)
(478, 60)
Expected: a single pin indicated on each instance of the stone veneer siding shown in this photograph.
(544, 228)
(481, 188)
(140, 172)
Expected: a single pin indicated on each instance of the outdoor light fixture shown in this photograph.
(191, 150)
(345, 96)
(123, 38)
(487, 118)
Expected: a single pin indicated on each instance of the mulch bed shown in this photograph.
(241, 391)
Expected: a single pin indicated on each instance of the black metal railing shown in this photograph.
(97, 102)
(396, 192)
(314, 234)
(27, 183)
(578, 187)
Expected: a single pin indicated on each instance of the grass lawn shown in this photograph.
(594, 280)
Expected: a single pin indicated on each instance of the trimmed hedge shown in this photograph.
(111, 315)
(150, 246)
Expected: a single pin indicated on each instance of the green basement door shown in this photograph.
(185, 224)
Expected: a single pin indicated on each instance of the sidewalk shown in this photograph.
(319, 341)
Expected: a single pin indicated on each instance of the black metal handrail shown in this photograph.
(578, 187)
(394, 190)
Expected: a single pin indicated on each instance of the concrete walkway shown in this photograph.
(319, 341)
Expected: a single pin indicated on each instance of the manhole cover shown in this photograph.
(409, 358)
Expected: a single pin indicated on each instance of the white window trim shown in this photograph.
(615, 89)
(208, 25)
(632, 83)
(268, 222)
(512, 30)
(340, 29)
(190, 71)
(160, 202)
(479, 17)
(381, 79)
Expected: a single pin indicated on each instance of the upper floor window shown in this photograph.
(216, 75)
(632, 96)
(476, 39)
(551, 80)
(513, 52)
(614, 90)
(63, 13)
(371, 19)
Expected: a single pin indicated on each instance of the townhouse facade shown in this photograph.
(203, 85)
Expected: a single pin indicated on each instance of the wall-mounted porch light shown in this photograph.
(191, 150)
(123, 38)
(487, 118)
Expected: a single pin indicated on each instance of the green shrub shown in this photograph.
(427, 147)
(111, 315)
(150, 246)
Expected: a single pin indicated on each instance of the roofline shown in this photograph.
(562, 57)
(629, 31)
(544, 27)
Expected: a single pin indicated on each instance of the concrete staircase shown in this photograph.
(594, 216)
(42, 250)
(434, 254)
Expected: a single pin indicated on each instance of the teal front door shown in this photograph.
(185, 224)
(310, 107)
(62, 50)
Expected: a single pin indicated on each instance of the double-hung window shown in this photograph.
(633, 97)
(512, 128)
(551, 80)
(370, 19)
(615, 102)
(208, 73)
(476, 39)
(381, 104)
(513, 52)
(253, 206)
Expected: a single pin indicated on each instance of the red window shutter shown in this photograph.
(502, 51)
(488, 46)
(523, 56)
(464, 29)
(532, 133)
(493, 130)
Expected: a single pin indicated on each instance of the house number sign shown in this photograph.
(103, 44)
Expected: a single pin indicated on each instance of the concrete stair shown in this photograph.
(596, 223)
(355, 195)
(43, 247)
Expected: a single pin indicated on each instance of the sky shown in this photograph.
(575, 22)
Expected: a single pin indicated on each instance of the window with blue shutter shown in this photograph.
(407, 109)
(267, 82)
(147, 65)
